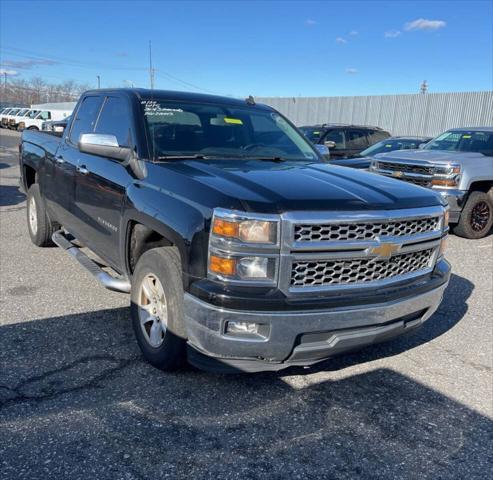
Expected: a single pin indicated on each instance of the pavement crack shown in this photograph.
(47, 385)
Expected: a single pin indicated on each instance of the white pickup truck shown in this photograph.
(35, 122)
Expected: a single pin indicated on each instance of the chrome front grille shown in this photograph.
(319, 273)
(405, 168)
(324, 251)
(364, 231)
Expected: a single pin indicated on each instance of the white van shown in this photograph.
(35, 122)
(8, 115)
(15, 119)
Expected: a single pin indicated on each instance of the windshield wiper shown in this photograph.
(267, 159)
(182, 157)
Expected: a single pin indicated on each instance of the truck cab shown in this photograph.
(241, 249)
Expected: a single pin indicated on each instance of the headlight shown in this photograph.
(239, 227)
(247, 231)
(243, 247)
(446, 177)
(248, 268)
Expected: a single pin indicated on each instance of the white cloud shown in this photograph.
(392, 34)
(9, 73)
(351, 71)
(424, 24)
(341, 41)
(353, 33)
(309, 22)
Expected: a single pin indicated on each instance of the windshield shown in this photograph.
(14, 111)
(22, 112)
(391, 144)
(33, 113)
(203, 129)
(464, 141)
(312, 133)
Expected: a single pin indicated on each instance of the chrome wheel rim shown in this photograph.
(480, 216)
(33, 216)
(153, 310)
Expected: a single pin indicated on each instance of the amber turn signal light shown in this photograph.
(222, 266)
(444, 182)
(225, 228)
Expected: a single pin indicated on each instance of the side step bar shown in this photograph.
(108, 281)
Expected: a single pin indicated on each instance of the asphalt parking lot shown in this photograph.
(77, 401)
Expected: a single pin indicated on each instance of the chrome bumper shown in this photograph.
(297, 337)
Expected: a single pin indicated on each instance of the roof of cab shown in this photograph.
(471, 129)
(147, 94)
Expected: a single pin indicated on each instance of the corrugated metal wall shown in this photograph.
(416, 114)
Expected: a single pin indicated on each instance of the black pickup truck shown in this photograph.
(241, 248)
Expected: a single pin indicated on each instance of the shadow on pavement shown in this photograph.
(10, 195)
(78, 401)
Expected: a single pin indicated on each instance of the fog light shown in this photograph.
(242, 328)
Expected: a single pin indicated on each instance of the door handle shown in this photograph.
(59, 159)
(82, 169)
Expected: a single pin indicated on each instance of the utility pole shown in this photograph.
(99, 81)
(151, 70)
(5, 80)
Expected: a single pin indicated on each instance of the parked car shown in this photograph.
(35, 122)
(242, 249)
(344, 141)
(457, 164)
(363, 159)
(57, 127)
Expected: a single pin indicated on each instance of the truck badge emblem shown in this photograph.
(385, 250)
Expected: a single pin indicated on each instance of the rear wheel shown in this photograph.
(39, 225)
(33, 128)
(476, 218)
(157, 307)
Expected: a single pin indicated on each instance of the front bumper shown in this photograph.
(455, 199)
(300, 337)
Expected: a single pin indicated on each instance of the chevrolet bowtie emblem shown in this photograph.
(397, 174)
(385, 250)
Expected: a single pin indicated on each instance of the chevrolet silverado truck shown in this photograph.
(240, 247)
(457, 164)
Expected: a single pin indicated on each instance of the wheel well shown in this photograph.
(29, 176)
(143, 238)
(483, 186)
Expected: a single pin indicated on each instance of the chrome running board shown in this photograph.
(108, 281)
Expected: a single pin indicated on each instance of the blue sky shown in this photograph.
(261, 48)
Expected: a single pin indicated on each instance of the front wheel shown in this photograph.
(157, 308)
(476, 217)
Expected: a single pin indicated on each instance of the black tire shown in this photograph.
(33, 128)
(164, 265)
(43, 229)
(476, 218)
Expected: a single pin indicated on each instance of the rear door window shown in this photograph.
(115, 120)
(86, 117)
(356, 139)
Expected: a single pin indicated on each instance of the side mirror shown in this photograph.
(330, 144)
(103, 145)
(323, 150)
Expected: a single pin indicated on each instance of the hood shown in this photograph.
(268, 187)
(432, 157)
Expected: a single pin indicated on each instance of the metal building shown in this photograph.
(426, 114)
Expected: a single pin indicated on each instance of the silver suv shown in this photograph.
(457, 164)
